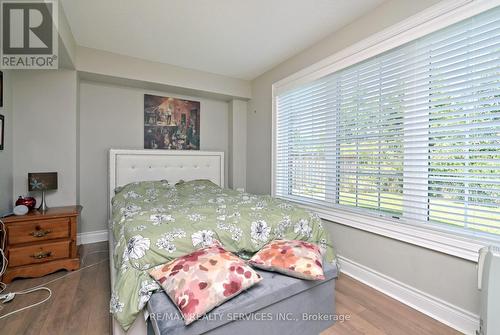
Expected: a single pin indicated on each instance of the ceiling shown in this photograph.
(235, 38)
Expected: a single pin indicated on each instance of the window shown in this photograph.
(411, 134)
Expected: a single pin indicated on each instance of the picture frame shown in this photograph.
(171, 123)
(2, 131)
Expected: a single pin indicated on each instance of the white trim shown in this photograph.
(449, 314)
(436, 17)
(450, 243)
(273, 141)
(92, 237)
(434, 237)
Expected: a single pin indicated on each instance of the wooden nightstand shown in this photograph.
(41, 243)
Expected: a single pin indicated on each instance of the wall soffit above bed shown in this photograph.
(102, 66)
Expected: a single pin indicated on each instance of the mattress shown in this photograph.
(278, 303)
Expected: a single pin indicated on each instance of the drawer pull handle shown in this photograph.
(40, 233)
(42, 254)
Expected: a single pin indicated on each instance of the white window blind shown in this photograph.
(413, 133)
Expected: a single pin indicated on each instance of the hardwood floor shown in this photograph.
(79, 305)
(372, 312)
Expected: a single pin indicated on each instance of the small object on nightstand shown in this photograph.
(21, 210)
(29, 202)
(40, 243)
(42, 181)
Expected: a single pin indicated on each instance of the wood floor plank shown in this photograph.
(390, 309)
(80, 305)
(99, 318)
(379, 306)
(63, 295)
(358, 324)
(384, 312)
(344, 300)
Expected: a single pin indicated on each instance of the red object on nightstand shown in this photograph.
(29, 202)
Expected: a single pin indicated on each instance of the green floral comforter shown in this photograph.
(155, 222)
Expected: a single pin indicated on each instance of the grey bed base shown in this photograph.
(277, 307)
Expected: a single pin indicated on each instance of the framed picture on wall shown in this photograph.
(1, 89)
(2, 131)
(171, 123)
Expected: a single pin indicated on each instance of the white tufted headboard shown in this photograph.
(126, 166)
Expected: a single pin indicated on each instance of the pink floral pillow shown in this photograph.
(204, 279)
(295, 258)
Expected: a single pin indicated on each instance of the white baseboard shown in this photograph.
(92, 237)
(451, 315)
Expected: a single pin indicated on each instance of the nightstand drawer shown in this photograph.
(39, 230)
(38, 253)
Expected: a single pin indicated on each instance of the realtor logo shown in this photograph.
(29, 37)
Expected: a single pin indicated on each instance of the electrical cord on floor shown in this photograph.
(7, 297)
(10, 296)
(92, 253)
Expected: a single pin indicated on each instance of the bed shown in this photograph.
(141, 166)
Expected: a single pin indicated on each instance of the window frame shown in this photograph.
(432, 236)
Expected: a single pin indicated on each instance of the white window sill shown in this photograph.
(439, 239)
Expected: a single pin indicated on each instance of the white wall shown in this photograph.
(6, 164)
(67, 43)
(445, 277)
(47, 118)
(112, 117)
(67, 126)
(44, 133)
(449, 278)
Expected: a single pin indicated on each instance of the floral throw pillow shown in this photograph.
(295, 258)
(198, 282)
